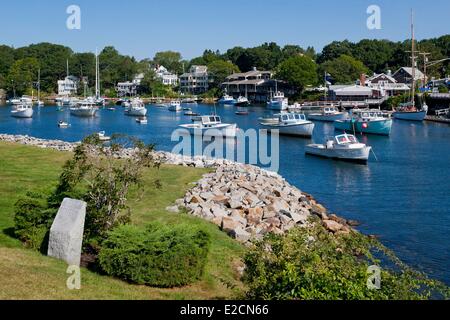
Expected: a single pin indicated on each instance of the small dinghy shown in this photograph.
(191, 113)
(63, 124)
(142, 120)
(102, 137)
(342, 147)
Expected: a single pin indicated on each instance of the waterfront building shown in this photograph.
(384, 83)
(351, 93)
(68, 86)
(196, 81)
(129, 88)
(167, 78)
(404, 75)
(257, 86)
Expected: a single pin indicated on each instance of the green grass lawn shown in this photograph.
(26, 274)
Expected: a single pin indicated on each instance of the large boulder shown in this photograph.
(66, 233)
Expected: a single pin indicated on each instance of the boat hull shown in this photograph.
(381, 127)
(227, 102)
(27, 113)
(300, 130)
(411, 116)
(277, 105)
(229, 131)
(360, 155)
(326, 117)
(136, 112)
(84, 113)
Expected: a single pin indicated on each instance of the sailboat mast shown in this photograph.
(413, 59)
(39, 84)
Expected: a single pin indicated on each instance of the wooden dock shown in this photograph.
(437, 119)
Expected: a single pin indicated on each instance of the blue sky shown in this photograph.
(143, 27)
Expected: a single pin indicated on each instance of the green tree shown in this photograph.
(344, 69)
(299, 71)
(169, 59)
(335, 49)
(220, 69)
(375, 54)
(115, 67)
(21, 75)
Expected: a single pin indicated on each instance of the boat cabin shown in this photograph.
(291, 117)
(367, 115)
(345, 139)
(209, 121)
(330, 110)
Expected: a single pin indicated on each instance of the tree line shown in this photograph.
(343, 60)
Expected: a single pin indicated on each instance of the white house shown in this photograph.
(129, 88)
(68, 86)
(166, 77)
(385, 83)
(196, 81)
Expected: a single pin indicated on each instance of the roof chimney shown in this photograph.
(362, 80)
(254, 69)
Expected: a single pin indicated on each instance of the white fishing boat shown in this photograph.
(278, 101)
(191, 113)
(211, 126)
(242, 101)
(268, 120)
(288, 123)
(328, 114)
(175, 105)
(142, 120)
(23, 101)
(102, 136)
(63, 124)
(84, 108)
(341, 147)
(22, 111)
(136, 108)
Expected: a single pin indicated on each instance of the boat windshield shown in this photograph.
(346, 138)
(286, 117)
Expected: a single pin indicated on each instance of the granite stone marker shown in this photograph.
(66, 233)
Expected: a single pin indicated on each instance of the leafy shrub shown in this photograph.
(313, 264)
(33, 219)
(160, 255)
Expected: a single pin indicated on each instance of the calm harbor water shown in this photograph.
(404, 197)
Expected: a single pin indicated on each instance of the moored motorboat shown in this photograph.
(365, 121)
(328, 114)
(241, 112)
(227, 100)
(242, 101)
(22, 111)
(136, 108)
(291, 124)
(102, 136)
(211, 126)
(63, 124)
(191, 113)
(175, 105)
(85, 108)
(142, 120)
(342, 147)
